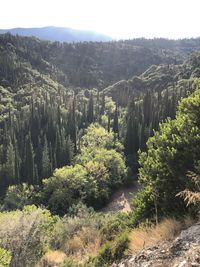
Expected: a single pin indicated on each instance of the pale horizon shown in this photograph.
(173, 19)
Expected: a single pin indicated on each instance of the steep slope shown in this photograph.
(156, 78)
(85, 65)
(181, 252)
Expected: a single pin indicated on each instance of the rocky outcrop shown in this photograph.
(184, 251)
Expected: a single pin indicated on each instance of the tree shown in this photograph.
(29, 163)
(172, 151)
(115, 122)
(90, 111)
(10, 163)
(64, 188)
(72, 124)
(114, 162)
(46, 163)
(97, 136)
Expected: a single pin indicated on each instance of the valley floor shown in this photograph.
(122, 198)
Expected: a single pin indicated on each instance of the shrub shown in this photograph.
(52, 258)
(18, 196)
(26, 234)
(114, 224)
(69, 262)
(5, 258)
(78, 236)
(112, 251)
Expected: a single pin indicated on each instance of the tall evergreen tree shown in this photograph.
(46, 164)
(90, 111)
(115, 122)
(29, 162)
(10, 163)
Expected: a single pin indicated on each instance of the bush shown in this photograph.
(115, 224)
(68, 227)
(26, 234)
(112, 251)
(69, 262)
(18, 196)
(5, 258)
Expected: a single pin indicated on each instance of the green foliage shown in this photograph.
(99, 170)
(26, 234)
(65, 188)
(5, 258)
(17, 196)
(114, 225)
(42, 121)
(69, 226)
(114, 162)
(171, 153)
(97, 137)
(112, 251)
(85, 65)
(68, 262)
(45, 119)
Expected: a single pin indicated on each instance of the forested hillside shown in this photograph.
(43, 112)
(78, 121)
(89, 64)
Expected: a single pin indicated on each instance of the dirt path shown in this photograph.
(121, 199)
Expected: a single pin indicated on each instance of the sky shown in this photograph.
(116, 18)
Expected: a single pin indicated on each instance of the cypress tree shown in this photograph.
(72, 124)
(10, 163)
(90, 111)
(130, 129)
(29, 165)
(115, 122)
(46, 164)
(103, 104)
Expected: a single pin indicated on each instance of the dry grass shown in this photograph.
(52, 258)
(84, 244)
(149, 236)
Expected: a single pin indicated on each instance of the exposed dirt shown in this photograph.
(121, 199)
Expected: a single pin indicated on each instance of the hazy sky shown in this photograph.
(117, 18)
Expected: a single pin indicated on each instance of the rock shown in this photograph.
(184, 251)
(182, 264)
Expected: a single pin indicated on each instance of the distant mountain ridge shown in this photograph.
(60, 34)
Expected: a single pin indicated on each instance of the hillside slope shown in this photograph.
(88, 64)
(184, 251)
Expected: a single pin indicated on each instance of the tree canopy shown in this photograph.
(171, 153)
